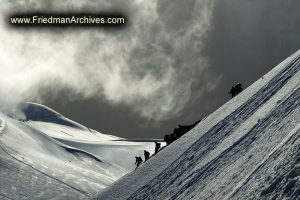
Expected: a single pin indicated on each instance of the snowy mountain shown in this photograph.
(247, 149)
(44, 155)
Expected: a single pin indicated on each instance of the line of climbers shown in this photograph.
(178, 132)
(169, 138)
(139, 160)
(181, 130)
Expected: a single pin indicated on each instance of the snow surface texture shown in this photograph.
(44, 155)
(247, 149)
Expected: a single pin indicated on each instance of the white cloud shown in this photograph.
(149, 66)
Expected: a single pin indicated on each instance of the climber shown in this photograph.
(138, 161)
(147, 155)
(232, 92)
(157, 147)
(167, 139)
(235, 90)
(238, 88)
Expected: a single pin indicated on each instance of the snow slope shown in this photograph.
(113, 149)
(247, 149)
(44, 155)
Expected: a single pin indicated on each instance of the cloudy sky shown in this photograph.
(172, 64)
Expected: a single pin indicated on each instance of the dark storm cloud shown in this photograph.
(251, 37)
(247, 40)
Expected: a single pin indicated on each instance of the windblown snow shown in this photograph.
(44, 155)
(247, 149)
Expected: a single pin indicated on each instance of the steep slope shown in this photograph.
(247, 149)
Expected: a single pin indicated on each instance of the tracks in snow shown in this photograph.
(246, 179)
(209, 141)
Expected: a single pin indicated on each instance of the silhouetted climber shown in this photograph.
(138, 161)
(173, 137)
(157, 147)
(147, 155)
(238, 88)
(178, 132)
(232, 92)
(167, 139)
(186, 128)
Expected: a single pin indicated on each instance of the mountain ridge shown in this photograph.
(214, 158)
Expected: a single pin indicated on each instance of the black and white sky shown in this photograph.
(174, 63)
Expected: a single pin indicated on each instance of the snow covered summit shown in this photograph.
(247, 149)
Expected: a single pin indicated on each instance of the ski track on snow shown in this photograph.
(239, 148)
(280, 145)
(273, 178)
